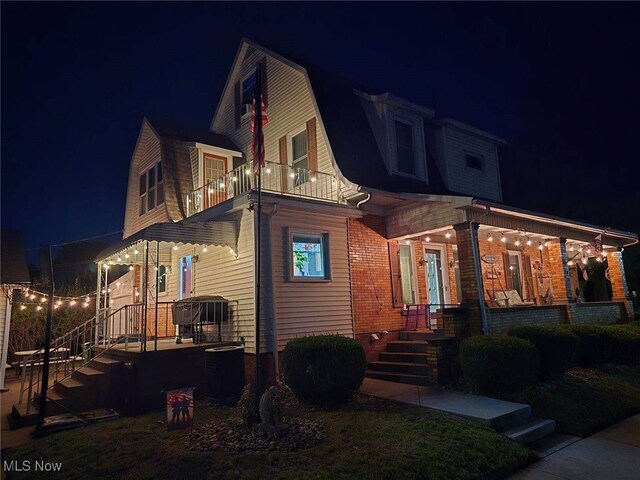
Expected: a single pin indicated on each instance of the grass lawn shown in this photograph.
(366, 439)
(585, 401)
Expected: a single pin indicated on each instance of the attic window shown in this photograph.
(475, 162)
(406, 145)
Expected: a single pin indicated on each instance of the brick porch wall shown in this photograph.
(615, 274)
(599, 312)
(371, 291)
(501, 320)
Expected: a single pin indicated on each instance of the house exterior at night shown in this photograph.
(371, 205)
(395, 206)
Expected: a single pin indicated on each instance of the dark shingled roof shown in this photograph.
(14, 261)
(186, 134)
(352, 140)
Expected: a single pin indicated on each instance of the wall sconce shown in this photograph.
(373, 338)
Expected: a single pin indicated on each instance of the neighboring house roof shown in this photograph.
(186, 134)
(14, 261)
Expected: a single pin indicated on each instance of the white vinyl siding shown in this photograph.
(483, 183)
(290, 105)
(220, 272)
(316, 307)
(146, 154)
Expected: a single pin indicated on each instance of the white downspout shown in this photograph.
(5, 340)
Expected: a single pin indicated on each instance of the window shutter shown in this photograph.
(508, 279)
(528, 278)
(396, 283)
(312, 145)
(284, 161)
(236, 99)
(263, 82)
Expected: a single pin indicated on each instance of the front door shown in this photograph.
(436, 278)
(215, 169)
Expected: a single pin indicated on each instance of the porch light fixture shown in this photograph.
(503, 239)
(490, 238)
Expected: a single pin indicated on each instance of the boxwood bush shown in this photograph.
(324, 370)
(626, 345)
(494, 364)
(558, 348)
(596, 343)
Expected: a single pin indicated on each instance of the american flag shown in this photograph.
(596, 243)
(258, 120)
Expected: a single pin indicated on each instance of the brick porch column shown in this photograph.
(565, 268)
(558, 269)
(616, 274)
(470, 271)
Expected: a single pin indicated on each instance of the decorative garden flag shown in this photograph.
(180, 409)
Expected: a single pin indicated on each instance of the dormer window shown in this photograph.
(406, 145)
(405, 155)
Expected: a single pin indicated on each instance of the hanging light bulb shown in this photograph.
(175, 247)
(72, 302)
(38, 308)
(517, 243)
(490, 238)
(529, 242)
(503, 239)
(428, 239)
(43, 299)
(59, 302)
(126, 255)
(268, 170)
(570, 263)
(119, 259)
(22, 307)
(204, 249)
(447, 235)
(540, 247)
(247, 171)
(571, 248)
(546, 244)
(56, 306)
(32, 296)
(135, 252)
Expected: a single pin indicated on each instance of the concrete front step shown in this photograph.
(399, 367)
(534, 429)
(398, 377)
(403, 357)
(407, 346)
(421, 336)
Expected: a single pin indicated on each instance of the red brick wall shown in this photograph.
(615, 274)
(555, 268)
(453, 288)
(373, 309)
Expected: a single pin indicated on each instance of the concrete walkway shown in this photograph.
(483, 409)
(612, 454)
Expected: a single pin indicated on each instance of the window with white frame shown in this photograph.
(309, 254)
(162, 279)
(151, 189)
(247, 94)
(405, 151)
(300, 157)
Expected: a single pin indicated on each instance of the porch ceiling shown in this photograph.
(130, 251)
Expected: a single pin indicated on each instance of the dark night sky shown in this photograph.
(560, 81)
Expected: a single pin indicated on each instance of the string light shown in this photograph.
(43, 299)
(517, 243)
(72, 302)
(447, 235)
(204, 249)
(175, 247)
(38, 308)
(503, 239)
(490, 238)
(529, 242)
(136, 252)
(268, 170)
(130, 267)
(22, 307)
(428, 239)
(540, 247)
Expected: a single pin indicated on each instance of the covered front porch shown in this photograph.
(509, 267)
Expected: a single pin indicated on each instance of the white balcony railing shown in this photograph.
(276, 177)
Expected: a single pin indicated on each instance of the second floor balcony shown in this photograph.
(276, 178)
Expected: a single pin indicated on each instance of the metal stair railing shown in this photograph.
(74, 349)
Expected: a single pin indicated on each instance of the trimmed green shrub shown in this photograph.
(626, 346)
(324, 370)
(596, 343)
(494, 364)
(558, 348)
